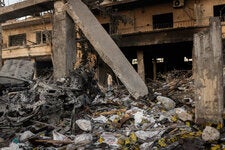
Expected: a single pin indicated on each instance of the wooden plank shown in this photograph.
(106, 47)
(208, 74)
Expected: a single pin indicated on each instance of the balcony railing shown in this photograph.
(175, 25)
(163, 25)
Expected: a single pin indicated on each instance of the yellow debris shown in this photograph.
(116, 120)
(120, 141)
(127, 141)
(191, 134)
(215, 147)
(133, 138)
(162, 142)
(219, 126)
(173, 139)
(101, 140)
(188, 124)
(174, 119)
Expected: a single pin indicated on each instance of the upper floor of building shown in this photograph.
(31, 36)
(145, 16)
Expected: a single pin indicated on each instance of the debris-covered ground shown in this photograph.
(73, 113)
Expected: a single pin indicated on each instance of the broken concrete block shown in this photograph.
(167, 103)
(83, 139)
(60, 137)
(106, 47)
(12, 146)
(210, 134)
(109, 139)
(183, 114)
(84, 125)
(144, 135)
(113, 117)
(100, 119)
(25, 135)
(146, 146)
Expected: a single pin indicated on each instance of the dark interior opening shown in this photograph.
(131, 55)
(44, 68)
(168, 57)
(17, 40)
(162, 21)
(219, 11)
(106, 27)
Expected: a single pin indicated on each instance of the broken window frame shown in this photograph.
(159, 23)
(17, 40)
(43, 37)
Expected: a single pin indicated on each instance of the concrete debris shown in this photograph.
(26, 135)
(100, 119)
(12, 146)
(73, 113)
(146, 146)
(210, 134)
(166, 102)
(144, 135)
(109, 138)
(59, 137)
(83, 139)
(183, 114)
(84, 125)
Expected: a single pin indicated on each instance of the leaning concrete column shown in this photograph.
(106, 47)
(208, 74)
(63, 42)
(141, 66)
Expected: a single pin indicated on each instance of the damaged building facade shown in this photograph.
(28, 38)
(155, 36)
(69, 109)
(158, 36)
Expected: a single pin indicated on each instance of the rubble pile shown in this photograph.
(73, 113)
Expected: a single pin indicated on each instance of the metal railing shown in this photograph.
(177, 24)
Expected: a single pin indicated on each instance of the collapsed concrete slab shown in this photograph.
(106, 47)
(16, 71)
